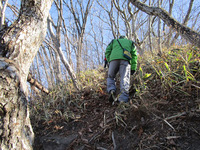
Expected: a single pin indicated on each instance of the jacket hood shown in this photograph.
(122, 37)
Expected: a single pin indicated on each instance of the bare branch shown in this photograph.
(186, 32)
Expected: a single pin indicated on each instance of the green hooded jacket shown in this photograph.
(114, 51)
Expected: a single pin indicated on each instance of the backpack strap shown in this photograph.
(120, 44)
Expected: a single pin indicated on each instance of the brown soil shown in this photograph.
(145, 125)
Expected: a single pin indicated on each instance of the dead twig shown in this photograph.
(114, 143)
(172, 137)
(168, 124)
(195, 131)
(175, 116)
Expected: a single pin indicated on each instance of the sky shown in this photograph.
(179, 10)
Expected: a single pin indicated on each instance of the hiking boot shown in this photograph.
(112, 96)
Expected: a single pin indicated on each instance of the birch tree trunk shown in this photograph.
(150, 28)
(69, 52)
(191, 35)
(2, 13)
(159, 33)
(19, 45)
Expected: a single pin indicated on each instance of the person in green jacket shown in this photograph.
(119, 63)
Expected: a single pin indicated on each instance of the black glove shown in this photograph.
(106, 63)
(132, 72)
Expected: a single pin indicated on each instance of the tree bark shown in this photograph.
(171, 4)
(184, 22)
(37, 70)
(2, 13)
(186, 32)
(35, 83)
(149, 33)
(159, 33)
(15, 128)
(45, 68)
(19, 45)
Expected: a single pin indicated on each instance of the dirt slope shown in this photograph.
(161, 124)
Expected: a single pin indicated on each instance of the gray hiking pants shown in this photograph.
(124, 69)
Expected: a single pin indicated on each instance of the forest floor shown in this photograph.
(161, 124)
(163, 112)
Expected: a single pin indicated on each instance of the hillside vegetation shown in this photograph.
(163, 113)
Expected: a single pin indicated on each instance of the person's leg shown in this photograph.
(125, 72)
(112, 71)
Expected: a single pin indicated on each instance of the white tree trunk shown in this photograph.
(19, 45)
(149, 33)
(159, 33)
(2, 13)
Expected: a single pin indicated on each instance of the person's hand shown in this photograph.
(132, 72)
(106, 63)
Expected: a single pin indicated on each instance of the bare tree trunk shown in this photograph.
(19, 45)
(2, 13)
(195, 21)
(55, 61)
(159, 33)
(69, 52)
(49, 60)
(80, 23)
(79, 55)
(171, 4)
(57, 67)
(150, 28)
(186, 32)
(37, 68)
(45, 68)
(15, 130)
(69, 69)
(184, 22)
(56, 38)
(98, 56)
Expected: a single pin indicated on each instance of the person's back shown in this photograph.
(117, 52)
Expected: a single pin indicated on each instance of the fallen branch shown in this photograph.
(36, 84)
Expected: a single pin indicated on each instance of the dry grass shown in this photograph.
(176, 73)
(164, 89)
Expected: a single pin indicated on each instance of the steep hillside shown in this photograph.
(163, 113)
